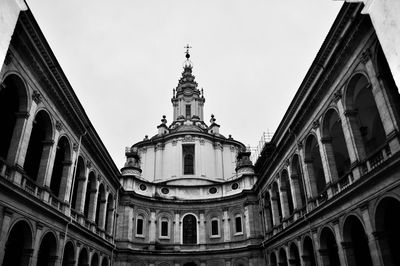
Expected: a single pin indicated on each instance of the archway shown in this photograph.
(314, 166)
(276, 204)
(273, 260)
(69, 255)
(294, 256)
(104, 262)
(90, 190)
(13, 100)
(269, 223)
(18, 248)
(329, 248)
(83, 258)
(335, 141)
(95, 260)
(308, 252)
(387, 222)
(61, 167)
(39, 147)
(282, 258)
(189, 229)
(357, 251)
(366, 122)
(100, 211)
(47, 255)
(287, 192)
(78, 184)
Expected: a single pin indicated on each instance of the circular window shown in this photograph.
(235, 186)
(142, 187)
(212, 190)
(165, 190)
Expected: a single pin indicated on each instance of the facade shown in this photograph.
(324, 191)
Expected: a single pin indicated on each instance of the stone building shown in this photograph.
(324, 191)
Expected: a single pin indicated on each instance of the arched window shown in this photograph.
(164, 227)
(314, 166)
(189, 229)
(61, 168)
(238, 224)
(140, 226)
(188, 159)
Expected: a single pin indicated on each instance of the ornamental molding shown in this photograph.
(188, 138)
(59, 125)
(315, 124)
(36, 97)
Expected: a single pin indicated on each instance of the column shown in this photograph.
(177, 235)
(202, 230)
(5, 227)
(294, 180)
(81, 192)
(226, 225)
(36, 241)
(382, 102)
(284, 199)
(339, 241)
(274, 209)
(110, 219)
(317, 249)
(102, 212)
(247, 221)
(93, 201)
(325, 150)
(66, 181)
(218, 159)
(47, 163)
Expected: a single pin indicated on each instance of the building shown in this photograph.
(324, 190)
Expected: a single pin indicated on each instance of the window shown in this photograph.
(139, 226)
(214, 227)
(188, 159)
(188, 111)
(189, 229)
(238, 224)
(164, 232)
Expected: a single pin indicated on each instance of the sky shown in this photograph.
(123, 58)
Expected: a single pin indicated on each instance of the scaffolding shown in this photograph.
(256, 151)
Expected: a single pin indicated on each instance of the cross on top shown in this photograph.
(187, 47)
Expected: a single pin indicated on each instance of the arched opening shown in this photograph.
(367, 122)
(109, 214)
(314, 166)
(18, 248)
(101, 201)
(276, 204)
(287, 192)
(357, 250)
(294, 259)
(273, 260)
(61, 167)
(83, 258)
(47, 255)
(90, 189)
(282, 258)
(387, 220)
(308, 252)
(329, 248)
(95, 260)
(78, 183)
(297, 180)
(13, 101)
(335, 141)
(189, 229)
(39, 147)
(104, 262)
(69, 255)
(268, 213)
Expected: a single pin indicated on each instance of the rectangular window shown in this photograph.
(188, 111)
(238, 224)
(139, 226)
(214, 228)
(164, 228)
(188, 159)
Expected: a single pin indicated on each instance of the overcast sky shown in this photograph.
(124, 57)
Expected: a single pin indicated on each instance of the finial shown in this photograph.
(212, 120)
(173, 90)
(163, 120)
(202, 93)
(187, 47)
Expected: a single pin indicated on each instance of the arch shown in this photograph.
(387, 222)
(47, 254)
(90, 190)
(276, 204)
(189, 229)
(294, 255)
(357, 250)
(297, 180)
(18, 248)
(328, 248)
(100, 204)
(95, 260)
(13, 102)
(69, 254)
(314, 166)
(308, 252)
(109, 214)
(104, 262)
(61, 167)
(365, 121)
(39, 147)
(282, 257)
(79, 183)
(272, 259)
(287, 192)
(335, 143)
(83, 258)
